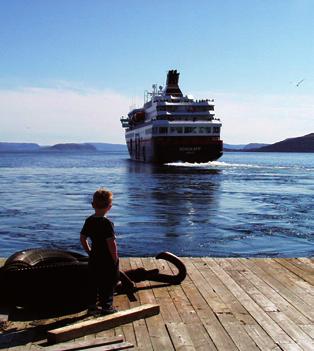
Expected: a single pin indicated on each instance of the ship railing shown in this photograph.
(180, 118)
(187, 113)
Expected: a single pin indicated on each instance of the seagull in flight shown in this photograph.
(302, 80)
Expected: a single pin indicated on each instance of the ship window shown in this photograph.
(206, 130)
(163, 130)
(203, 130)
(216, 129)
(155, 130)
(178, 130)
(188, 130)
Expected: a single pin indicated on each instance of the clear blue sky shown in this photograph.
(59, 56)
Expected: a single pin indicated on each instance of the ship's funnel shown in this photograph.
(172, 87)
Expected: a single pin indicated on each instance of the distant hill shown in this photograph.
(64, 147)
(233, 146)
(71, 147)
(19, 147)
(254, 146)
(300, 144)
(109, 147)
(242, 147)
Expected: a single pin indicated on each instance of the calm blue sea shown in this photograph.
(245, 204)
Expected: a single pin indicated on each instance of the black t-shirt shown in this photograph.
(99, 229)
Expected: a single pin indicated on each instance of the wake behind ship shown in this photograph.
(171, 127)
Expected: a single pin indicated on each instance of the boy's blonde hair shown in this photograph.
(102, 198)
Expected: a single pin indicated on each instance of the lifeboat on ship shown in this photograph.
(138, 117)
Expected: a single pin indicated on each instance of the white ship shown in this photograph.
(171, 127)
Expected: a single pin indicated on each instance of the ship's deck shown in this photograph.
(223, 304)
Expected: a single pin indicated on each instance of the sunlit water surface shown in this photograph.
(245, 204)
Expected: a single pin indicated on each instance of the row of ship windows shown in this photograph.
(185, 108)
(183, 130)
(185, 118)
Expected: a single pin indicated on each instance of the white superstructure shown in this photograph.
(172, 123)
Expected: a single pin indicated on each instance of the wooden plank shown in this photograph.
(270, 293)
(187, 313)
(101, 323)
(290, 280)
(143, 341)
(256, 266)
(267, 323)
(219, 338)
(225, 294)
(238, 334)
(79, 345)
(294, 331)
(158, 334)
(309, 329)
(235, 320)
(283, 289)
(308, 262)
(121, 302)
(305, 264)
(128, 332)
(113, 347)
(180, 337)
(307, 276)
(110, 333)
(213, 298)
(168, 309)
(193, 323)
(200, 337)
(265, 303)
(261, 338)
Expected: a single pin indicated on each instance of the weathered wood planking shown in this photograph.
(79, 345)
(93, 326)
(223, 304)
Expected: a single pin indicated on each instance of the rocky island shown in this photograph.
(298, 144)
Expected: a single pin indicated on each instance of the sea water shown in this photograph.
(244, 204)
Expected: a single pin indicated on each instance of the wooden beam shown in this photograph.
(79, 345)
(101, 323)
(114, 347)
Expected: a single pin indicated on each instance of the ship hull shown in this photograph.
(176, 149)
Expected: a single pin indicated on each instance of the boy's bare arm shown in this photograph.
(112, 246)
(85, 244)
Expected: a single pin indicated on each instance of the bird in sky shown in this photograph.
(302, 80)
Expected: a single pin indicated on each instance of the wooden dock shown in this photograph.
(223, 304)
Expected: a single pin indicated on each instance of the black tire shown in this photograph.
(39, 257)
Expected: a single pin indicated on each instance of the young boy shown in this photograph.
(103, 260)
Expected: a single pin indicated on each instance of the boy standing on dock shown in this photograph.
(103, 260)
